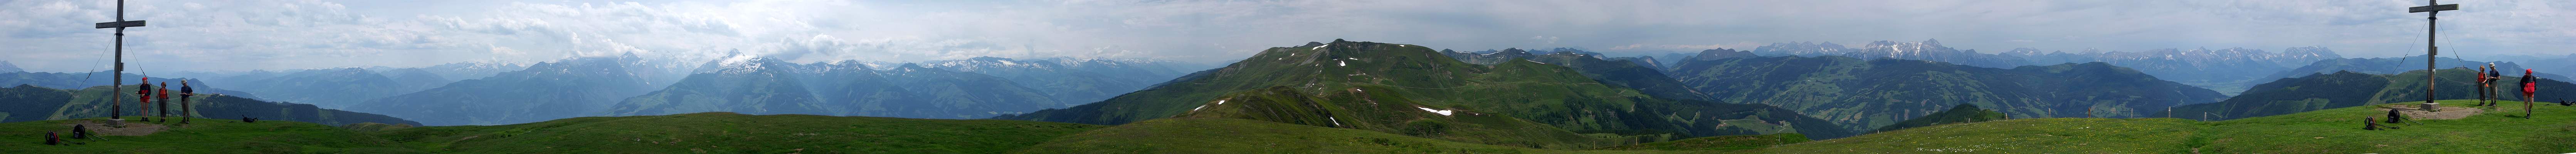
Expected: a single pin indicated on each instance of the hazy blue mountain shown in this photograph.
(1520, 89)
(1809, 49)
(471, 70)
(2229, 70)
(5, 67)
(1647, 61)
(29, 103)
(1071, 80)
(1676, 58)
(2397, 65)
(1715, 54)
(414, 79)
(584, 86)
(754, 85)
(2553, 65)
(329, 88)
(2347, 89)
(1866, 94)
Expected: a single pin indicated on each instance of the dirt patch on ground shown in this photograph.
(131, 128)
(2448, 112)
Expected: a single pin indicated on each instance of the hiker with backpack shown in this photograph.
(185, 112)
(82, 132)
(50, 139)
(2527, 89)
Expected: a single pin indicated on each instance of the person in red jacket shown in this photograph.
(2483, 86)
(164, 95)
(2527, 89)
(144, 97)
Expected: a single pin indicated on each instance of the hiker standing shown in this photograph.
(2527, 89)
(164, 95)
(144, 97)
(2482, 86)
(2493, 75)
(185, 112)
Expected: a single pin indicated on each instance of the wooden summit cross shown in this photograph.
(2434, 7)
(116, 109)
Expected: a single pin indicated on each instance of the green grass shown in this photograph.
(1220, 135)
(1720, 143)
(2552, 130)
(719, 132)
(684, 133)
(2338, 130)
(204, 136)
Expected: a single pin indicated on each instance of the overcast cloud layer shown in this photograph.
(55, 35)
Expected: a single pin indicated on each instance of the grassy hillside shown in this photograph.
(2348, 89)
(684, 133)
(1964, 113)
(2322, 131)
(1720, 143)
(1538, 92)
(1219, 135)
(719, 132)
(1393, 113)
(204, 136)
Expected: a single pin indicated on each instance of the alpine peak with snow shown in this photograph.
(1286, 76)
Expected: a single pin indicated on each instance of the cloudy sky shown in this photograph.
(56, 35)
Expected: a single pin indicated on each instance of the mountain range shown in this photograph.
(2395, 66)
(750, 84)
(2213, 69)
(333, 88)
(568, 88)
(1866, 94)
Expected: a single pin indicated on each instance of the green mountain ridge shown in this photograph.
(1527, 90)
(1867, 94)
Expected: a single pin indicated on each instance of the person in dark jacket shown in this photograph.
(186, 113)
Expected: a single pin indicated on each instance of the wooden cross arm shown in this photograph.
(121, 24)
(2443, 7)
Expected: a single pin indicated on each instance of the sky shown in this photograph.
(56, 35)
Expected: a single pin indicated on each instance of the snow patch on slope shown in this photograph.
(1441, 112)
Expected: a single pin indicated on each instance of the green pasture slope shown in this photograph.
(2502, 130)
(714, 132)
